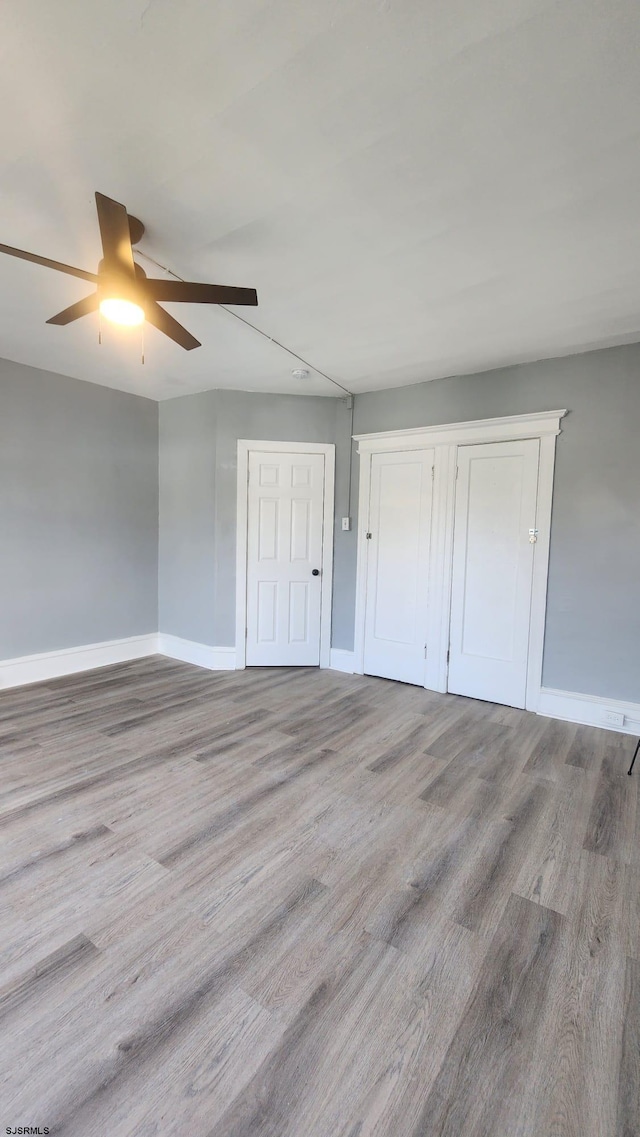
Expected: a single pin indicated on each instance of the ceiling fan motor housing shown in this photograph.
(136, 229)
(112, 283)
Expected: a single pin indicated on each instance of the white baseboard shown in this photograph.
(214, 658)
(341, 660)
(571, 706)
(68, 661)
(589, 710)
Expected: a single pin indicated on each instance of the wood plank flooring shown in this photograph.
(292, 903)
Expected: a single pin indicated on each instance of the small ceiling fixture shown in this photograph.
(124, 294)
(123, 312)
(300, 373)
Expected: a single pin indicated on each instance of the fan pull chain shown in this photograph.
(99, 327)
(142, 343)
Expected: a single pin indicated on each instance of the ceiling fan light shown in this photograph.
(123, 312)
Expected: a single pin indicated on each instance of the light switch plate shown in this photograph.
(346, 524)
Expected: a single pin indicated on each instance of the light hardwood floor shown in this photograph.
(291, 903)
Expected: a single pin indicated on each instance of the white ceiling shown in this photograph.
(415, 187)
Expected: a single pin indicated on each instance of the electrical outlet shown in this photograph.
(346, 524)
(613, 718)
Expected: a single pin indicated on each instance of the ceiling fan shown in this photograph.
(124, 294)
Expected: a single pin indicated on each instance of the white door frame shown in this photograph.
(445, 440)
(245, 446)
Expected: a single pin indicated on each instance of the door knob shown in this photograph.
(315, 572)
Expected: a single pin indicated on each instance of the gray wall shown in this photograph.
(198, 470)
(79, 505)
(187, 475)
(78, 512)
(593, 613)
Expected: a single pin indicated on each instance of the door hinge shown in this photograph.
(457, 472)
(448, 653)
(425, 651)
(433, 473)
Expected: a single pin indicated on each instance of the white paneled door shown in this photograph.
(493, 554)
(284, 558)
(398, 565)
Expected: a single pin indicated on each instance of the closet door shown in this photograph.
(397, 565)
(496, 501)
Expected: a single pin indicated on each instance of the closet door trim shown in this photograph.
(444, 440)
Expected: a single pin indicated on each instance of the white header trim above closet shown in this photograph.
(463, 433)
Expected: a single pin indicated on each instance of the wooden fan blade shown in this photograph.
(184, 292)
(75, 311)
(57, 265)
(116, 238)
(171, 328)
